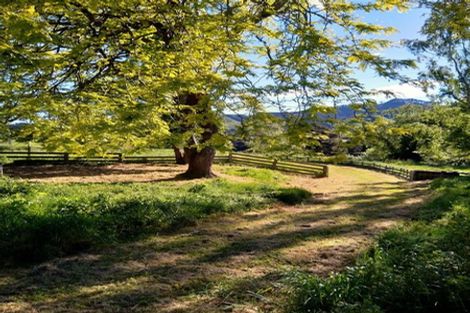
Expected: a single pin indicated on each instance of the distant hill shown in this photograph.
(396, 103)
(343, 111)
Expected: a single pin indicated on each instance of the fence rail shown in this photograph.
(408, 174)
(396, 171)
(305, 168)
(412, 175)
(316, 170)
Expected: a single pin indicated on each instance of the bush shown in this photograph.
(292, 195)
(423, 267)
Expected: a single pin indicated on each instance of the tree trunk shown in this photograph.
(200, 162)
(179, 157)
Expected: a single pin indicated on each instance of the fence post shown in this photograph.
(29, 151)
(66, 157)
(274, 164)
(1, 170)
(120, 157)
(230, 157)
(325, 171)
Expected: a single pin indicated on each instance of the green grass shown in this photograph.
(37, 147)
(421, 267)
(258, 174)
(154, 152)
(424, 167)
(39, 221)
(292, 195)
(19, 146)
(410, 165)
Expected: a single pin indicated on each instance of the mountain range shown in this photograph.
(343, 112)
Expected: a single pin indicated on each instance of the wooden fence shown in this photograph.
(297, 167)
(411, 175)
(391, 170)
(44, 157)
(316, 170)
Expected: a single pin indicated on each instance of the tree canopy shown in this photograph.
(446, 49)
(96, 76)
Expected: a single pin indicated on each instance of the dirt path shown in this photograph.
(230, 263)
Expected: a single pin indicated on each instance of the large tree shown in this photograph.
(445, 47)
(96, 76)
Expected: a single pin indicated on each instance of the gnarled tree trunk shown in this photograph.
(179, 157)
(199, 161)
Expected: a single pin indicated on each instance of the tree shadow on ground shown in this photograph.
(226, 263)
(55, 171)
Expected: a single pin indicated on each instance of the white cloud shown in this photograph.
(316, 3)
(402, 91)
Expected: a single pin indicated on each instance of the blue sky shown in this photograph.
(408, 25)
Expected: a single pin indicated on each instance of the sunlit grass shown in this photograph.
(258, 174)
(424, 167)
(20, 146)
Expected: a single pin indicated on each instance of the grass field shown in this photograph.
(19, 146)
(233, 257)
(425, 167)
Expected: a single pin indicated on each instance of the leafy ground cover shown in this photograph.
(421, 267)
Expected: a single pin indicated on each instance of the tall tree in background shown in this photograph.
(446, 49)
(96, 76)
(434, 134)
